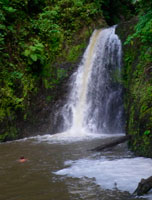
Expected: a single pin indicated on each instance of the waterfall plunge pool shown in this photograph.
(67, 170)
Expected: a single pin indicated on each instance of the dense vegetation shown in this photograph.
(38, 36)
(34, 36)
(137, 80)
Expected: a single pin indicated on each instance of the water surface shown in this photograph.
(66, 170)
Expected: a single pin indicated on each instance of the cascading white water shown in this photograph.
(95, 100)
(104, 97)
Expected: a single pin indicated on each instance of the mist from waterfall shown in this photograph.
(94, 103)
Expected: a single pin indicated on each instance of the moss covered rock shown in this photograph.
(137, 80)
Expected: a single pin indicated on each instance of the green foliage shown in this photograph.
(142, 6)
(34, 35)
(34, 52)
(10, 134)
(138, 82)
(75, 51)
(147, 132)
(143, 29)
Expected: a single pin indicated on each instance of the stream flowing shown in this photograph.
(62, 166)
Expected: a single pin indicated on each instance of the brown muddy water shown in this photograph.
(64, 171)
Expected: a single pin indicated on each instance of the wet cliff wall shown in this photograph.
(137, 80)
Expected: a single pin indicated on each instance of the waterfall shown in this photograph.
(95, 99)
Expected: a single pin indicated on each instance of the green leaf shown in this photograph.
(147, 132)
(9, 9)
(33, 57)
(27, 52)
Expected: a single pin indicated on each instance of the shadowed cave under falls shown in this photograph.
(95, 102)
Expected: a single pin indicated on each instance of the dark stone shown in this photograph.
(112, 143)
(144, 186)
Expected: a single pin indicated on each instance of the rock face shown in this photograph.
(44, 105)
(144, 186)
(137, 81)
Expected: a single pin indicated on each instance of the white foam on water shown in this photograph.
(69, 137)
(125, 174)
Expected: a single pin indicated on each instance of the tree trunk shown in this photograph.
(112, 143)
